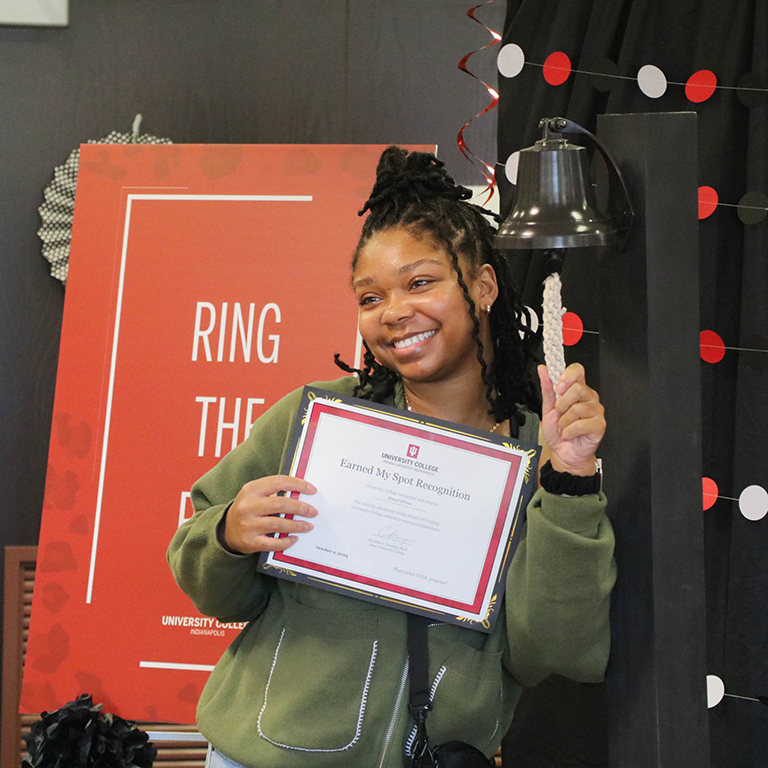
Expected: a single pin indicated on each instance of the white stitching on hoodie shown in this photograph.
(361, 714)
(432, 691)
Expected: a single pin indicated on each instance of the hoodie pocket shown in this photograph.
(317, 691)
(470, 698)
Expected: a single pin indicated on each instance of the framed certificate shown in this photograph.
(416, 513)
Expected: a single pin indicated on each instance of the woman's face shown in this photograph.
(412, 311)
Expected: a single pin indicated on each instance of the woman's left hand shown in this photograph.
(573, 423)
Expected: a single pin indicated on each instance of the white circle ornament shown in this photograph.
(511, 166)
(753, 502)
(530, 319)
(58, 209)
(511, 60)
(715, 691)
(652, 81)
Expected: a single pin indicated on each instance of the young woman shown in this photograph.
(319, 679)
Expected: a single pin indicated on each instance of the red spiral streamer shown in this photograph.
(488, 171)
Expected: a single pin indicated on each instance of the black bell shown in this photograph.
(555, 205)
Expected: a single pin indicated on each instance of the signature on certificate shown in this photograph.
(389, 533)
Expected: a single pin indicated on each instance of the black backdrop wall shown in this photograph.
(385, 71)
(227, 71)
(680, 37)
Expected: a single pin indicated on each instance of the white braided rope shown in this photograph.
(553, 310)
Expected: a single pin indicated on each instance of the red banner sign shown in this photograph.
(205, 282)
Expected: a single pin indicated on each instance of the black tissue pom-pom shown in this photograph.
(80, 735)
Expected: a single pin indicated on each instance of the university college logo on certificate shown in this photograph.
(428, 528)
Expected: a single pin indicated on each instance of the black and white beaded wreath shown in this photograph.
(58, 209)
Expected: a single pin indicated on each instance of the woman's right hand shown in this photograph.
(254, 515)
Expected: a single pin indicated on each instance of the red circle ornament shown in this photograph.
(709, 491)
(700, 86)
(557, 68)
(712, 347)
(708, 200)
(573, 329)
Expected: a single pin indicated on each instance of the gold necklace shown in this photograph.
(410, 410)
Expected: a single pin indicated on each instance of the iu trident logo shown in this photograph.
(413, 451)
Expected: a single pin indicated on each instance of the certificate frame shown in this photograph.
(469, 598)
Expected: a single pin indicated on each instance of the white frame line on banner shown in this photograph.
(118, 310)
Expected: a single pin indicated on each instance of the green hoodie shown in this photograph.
(320, 679)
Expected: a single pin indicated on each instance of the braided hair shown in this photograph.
(415, 192)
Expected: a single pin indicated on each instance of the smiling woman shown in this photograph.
(413, 314)
(438, 309)
(321, 679)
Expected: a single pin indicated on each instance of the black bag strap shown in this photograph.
(452, 753)
(418, 655)
(418, 681)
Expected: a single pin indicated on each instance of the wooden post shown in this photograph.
(650, 384)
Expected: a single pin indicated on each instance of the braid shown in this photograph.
(376, 381)
(414, 191)
(514, 345)
(402, 177)
(484, 372)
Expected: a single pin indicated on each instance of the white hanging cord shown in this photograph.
(552, 305)
(135, 128)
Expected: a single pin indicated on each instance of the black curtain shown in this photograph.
(562, 723)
